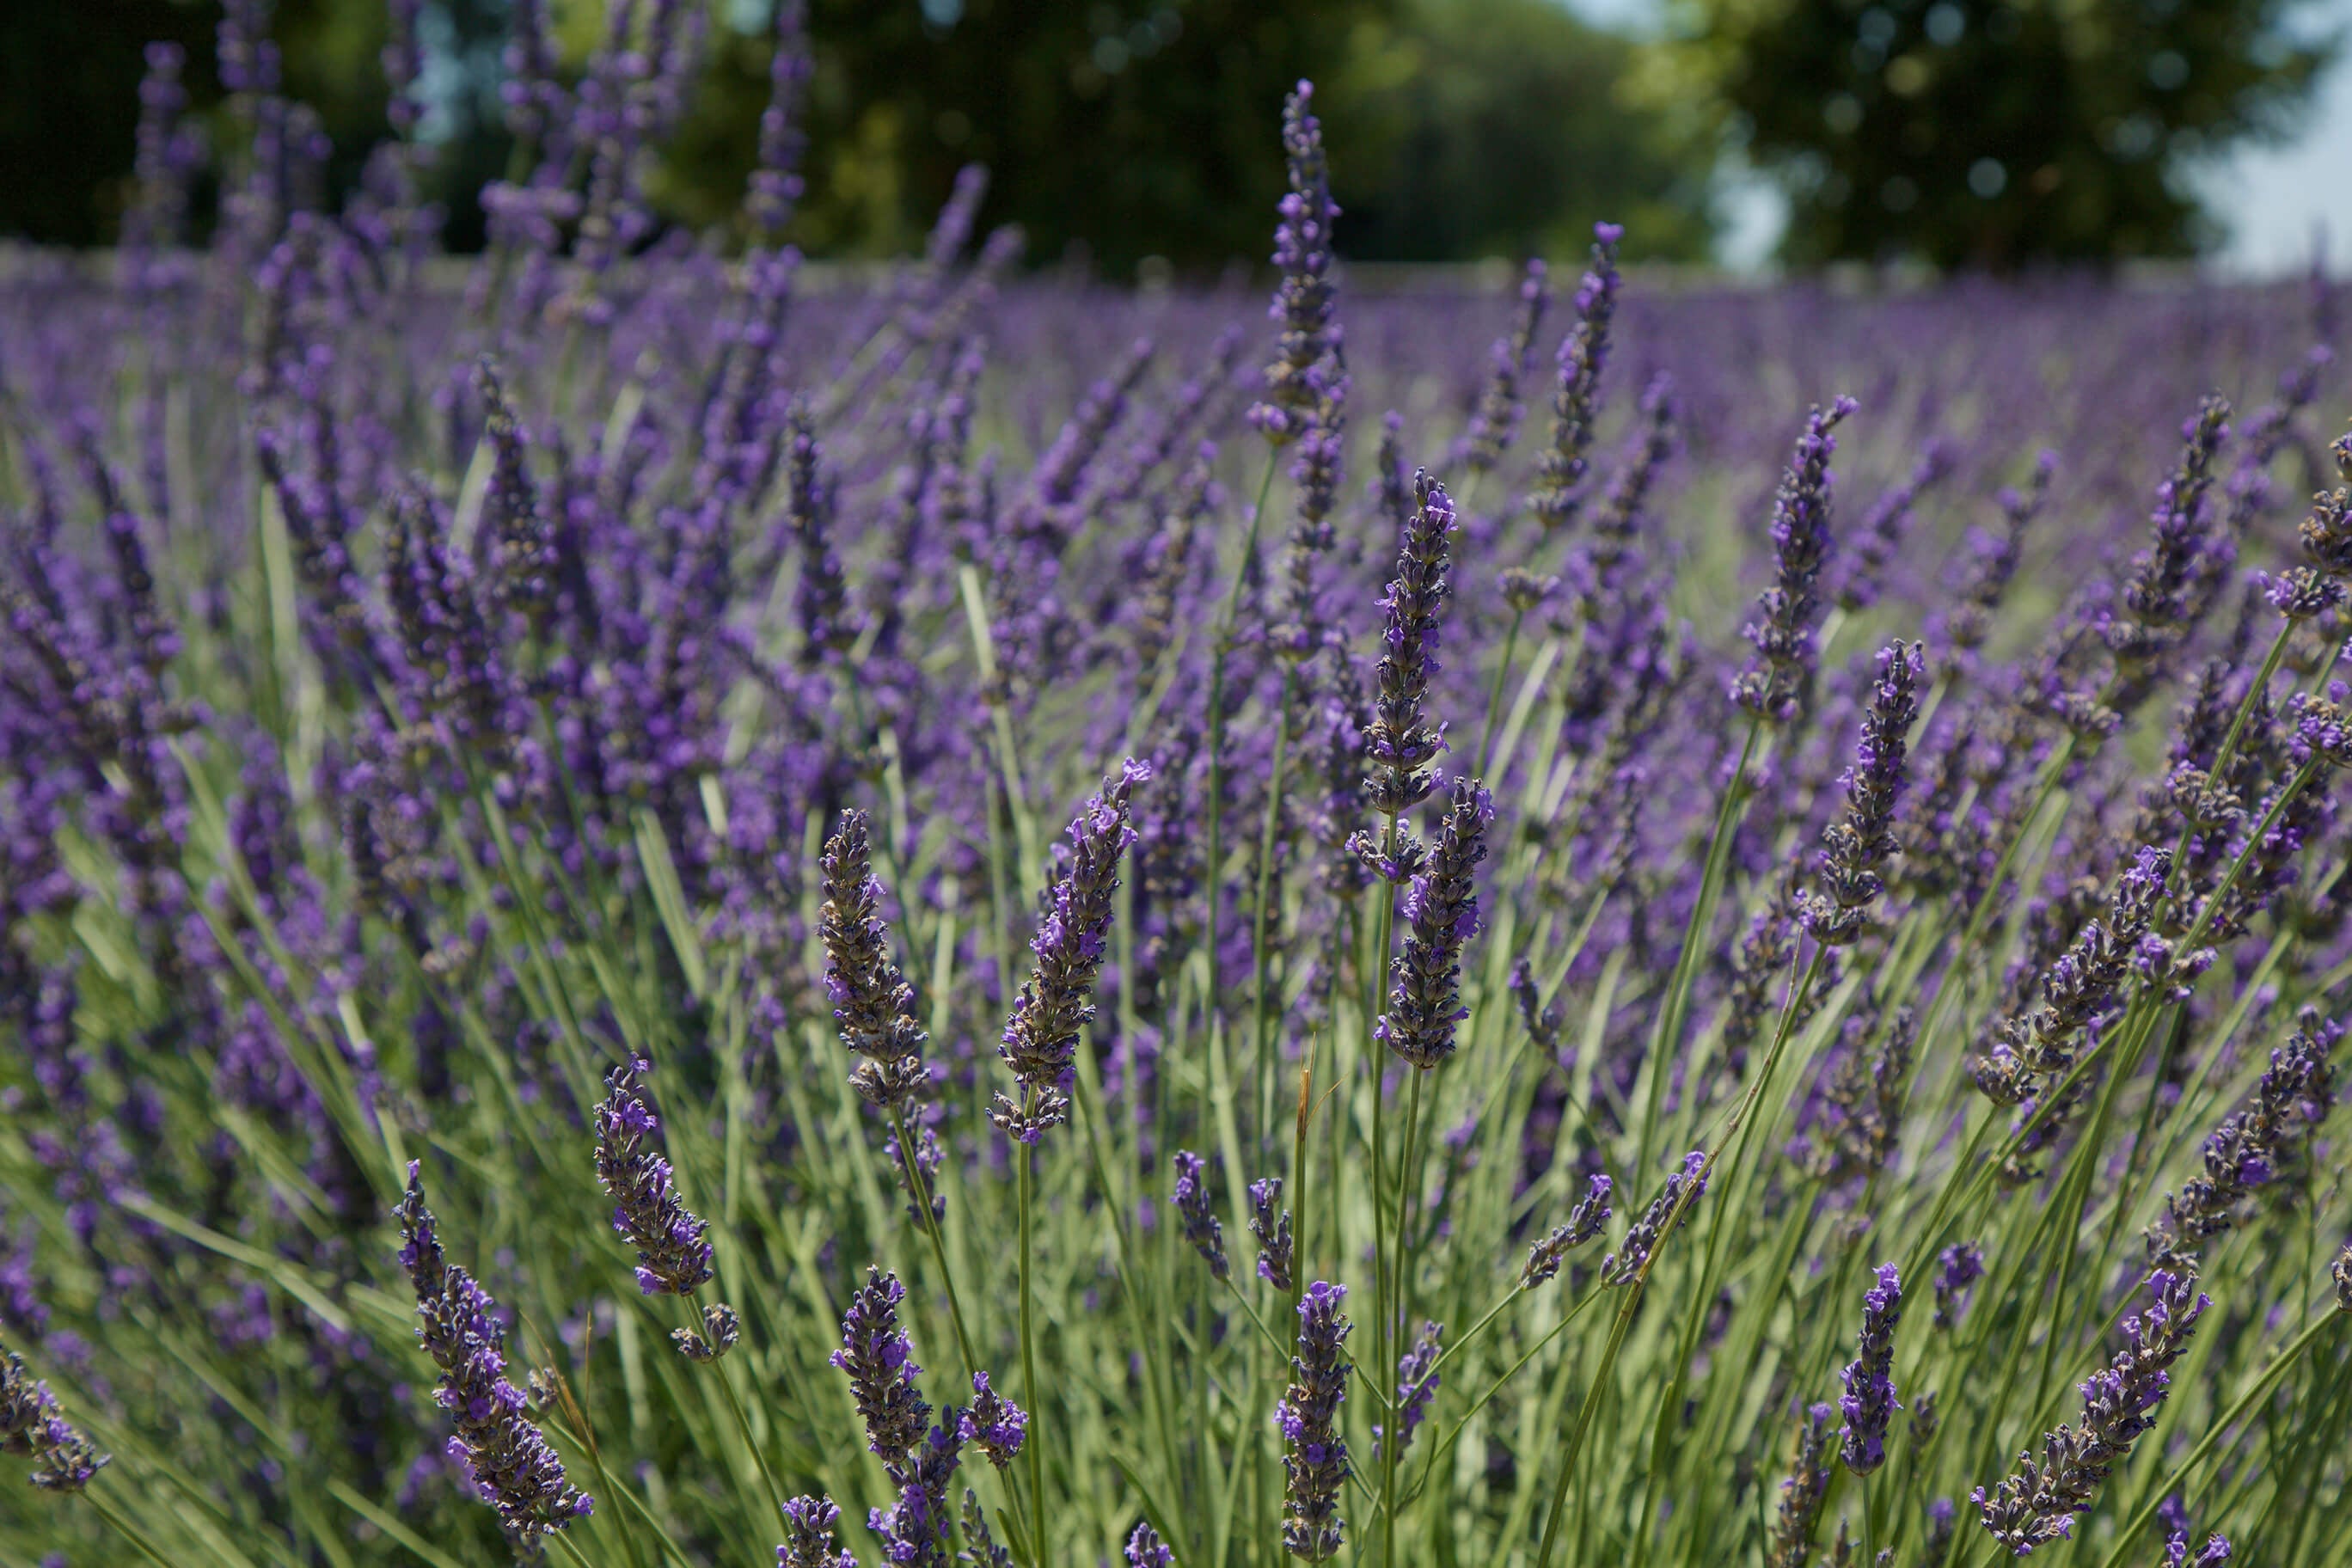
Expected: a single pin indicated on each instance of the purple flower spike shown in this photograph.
(63, 1459)
(1302, 252)
(1440, 911)
(1416, 1386)
(871, 999)
(2038, 1504)
(673, 1251)
(1559, 493)
(1774, 684)
(1041, 1041)
(1792, 1542)
(1146, 1550)
(1401, 742)
(1270, 1223)
(880, 1361)
(1856, 848)
(809, 1540)
(1960, 1266)
(506, 1458)
(994, 1425)
(1201, 1226)
(1315, 1463)
(1869, 1402)
(1667, 1213)
(1584, 1223)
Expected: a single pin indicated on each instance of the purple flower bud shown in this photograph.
(1146, 1550)
(1401, 742)
(1961, 1265)
(1584, 1223)
(809, 1540)
(1440, 911)
(1315, 1459)
(1201, 1225)
(994, 1425)
(1667, 1213)
(880, 1361)
(508, 1458)
(1558, 491)
(871, 999)
(1275, 1245)
(1869, 1401)
(1774, 684)
(1041, 1037)
(673, 1251)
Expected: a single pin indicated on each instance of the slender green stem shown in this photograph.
(1027, 1183)
(1401, 1289)
(127, 1531)
(1494, 697)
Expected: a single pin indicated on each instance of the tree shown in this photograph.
(1999, 133)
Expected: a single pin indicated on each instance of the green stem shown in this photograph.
(1027, 1183)
(1494, 697)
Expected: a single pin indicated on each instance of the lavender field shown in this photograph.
(664, 907)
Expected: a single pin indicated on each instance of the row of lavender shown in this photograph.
(507, 782)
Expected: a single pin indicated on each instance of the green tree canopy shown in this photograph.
(2000, 133)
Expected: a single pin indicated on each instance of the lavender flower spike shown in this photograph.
(2292, 1098)
(871, 999)
(1440, 911)
(1315, 1464)
(2341, 1272)
(1802, 1493)
(1146, 1550)
(508, 1457)
(1302, 250)
(63, 1459)
(1042, 1039)
(1276, 1245)
(2215, 1551)
(1855, 849)
(809, 1540)
(2038, 1504)
(1416, 1386)
(1787, 613)
(880, 1361)
(1584, 1223)
(673, 1251)
(1626, 1264)
(1960, 1266)
(1869, 1401)
(1401, 742)
(1583, 353)
(994, 1425)
(1201, 1226)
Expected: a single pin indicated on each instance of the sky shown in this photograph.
(2272, 200)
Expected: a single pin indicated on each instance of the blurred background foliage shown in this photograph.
(1995, 133)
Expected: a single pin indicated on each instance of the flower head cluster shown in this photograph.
(1775, 681)
(1667, 1213)
(1863, 1103)
(1857, 847)
(1315, 1459)
(2160, 594)
(1302, 253)
(774, 188)
(1270, 1223)
(821, 599)
(1416, 1386)
(994, 1423)
(2038, 1504)
(1583, 353)
(1880, 531)
(880, 1362)
(1440, 911)
(1495, 422)
(1993, 558)
(871, 999)
(1869, 1402)
(518, 539)
(1201, 1225)
(1802, 1495)
(914, 1530)
(1401, 742)
(2215, 1551)
(1146, 1550)
(506, 1458)
(673, 1251)
(1042, 1036)
(2252, 1146)
(2081, 982)
(63, 1459)
(1958, 1267)
(1584, 1223)
(809, 1539)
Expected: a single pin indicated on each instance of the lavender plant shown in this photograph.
(427, 682)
